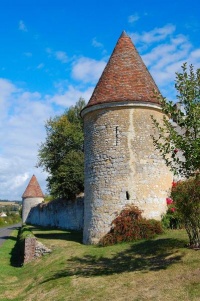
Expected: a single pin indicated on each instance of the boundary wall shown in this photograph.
(58, 213)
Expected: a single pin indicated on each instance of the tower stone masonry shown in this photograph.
(121, 164)
(31, 197)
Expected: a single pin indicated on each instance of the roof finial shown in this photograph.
(124, 34)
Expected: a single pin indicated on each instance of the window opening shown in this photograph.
(127, 195)
(117, 135)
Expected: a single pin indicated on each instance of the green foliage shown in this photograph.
(130, 226)
(7, 208)
(178, 141)
(48, 198)
(11, 219)
(61, 155)
(186, 196)
(166, 221)
(25, 232)
(171, 220)
(2, 222)
(179, 136)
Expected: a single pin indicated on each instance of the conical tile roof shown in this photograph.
(33, 189)
(125, 77)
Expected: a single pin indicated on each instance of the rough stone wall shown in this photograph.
(33, 249)
(121, 167)
(58, 213)
(27, 204)
(29, 249)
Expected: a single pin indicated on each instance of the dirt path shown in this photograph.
(5, 232)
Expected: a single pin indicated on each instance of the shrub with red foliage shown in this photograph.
(131, 226)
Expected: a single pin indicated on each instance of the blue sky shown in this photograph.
(53, 52)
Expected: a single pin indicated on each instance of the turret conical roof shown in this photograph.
(33, 189)
(125, 77)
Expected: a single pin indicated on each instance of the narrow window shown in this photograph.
(116, 135)
(127, 195)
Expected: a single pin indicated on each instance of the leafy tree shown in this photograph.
(61, 155)
(179, 143)
(179, 135)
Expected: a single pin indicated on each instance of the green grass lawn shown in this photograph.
(157, 269)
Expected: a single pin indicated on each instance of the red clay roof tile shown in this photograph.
(125, 77)
(33, 189)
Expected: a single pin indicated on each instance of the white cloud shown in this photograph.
(133, 18)
(19, 180)
(22, 118)
(196, 54)
(61, 56)
(87, 70)
(22, 26)
(58, 55)
(71, 96)
(11, 177)
(15, 173)
(163, 52)
(97, 44)
(155, 35)
(21, 131)
(6, 90)
(170, 51)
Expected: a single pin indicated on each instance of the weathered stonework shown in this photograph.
(31, 197)
(58, 213)
(33, 249)
(121, 165)
(29, 249)
(27, 204)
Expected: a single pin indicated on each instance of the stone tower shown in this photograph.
(31, 197)
(121, 164)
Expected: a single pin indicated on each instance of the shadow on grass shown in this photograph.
(8, 237)
(152, 255)
(16, 259)
(14, 227)
(48, 233)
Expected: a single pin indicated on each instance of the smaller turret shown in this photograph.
(31, 197)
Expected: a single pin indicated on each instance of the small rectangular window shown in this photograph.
(117, 135)
(127, 195)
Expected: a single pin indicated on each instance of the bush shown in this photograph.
(130, 226)
(186, 196)
(171, 220)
